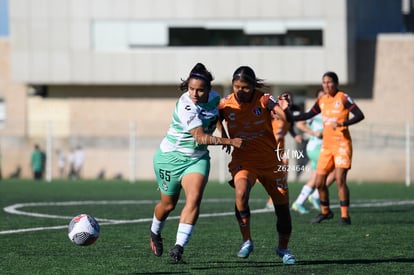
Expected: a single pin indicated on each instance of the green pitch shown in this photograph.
(33, 231)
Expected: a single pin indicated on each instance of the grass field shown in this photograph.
(34, 237)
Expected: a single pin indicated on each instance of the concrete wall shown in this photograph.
(52, 42)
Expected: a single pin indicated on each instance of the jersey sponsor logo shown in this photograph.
(273, 99)
(187, 107)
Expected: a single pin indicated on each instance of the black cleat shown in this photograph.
(345, 221)
(322, 217)
(156, 244)
(177, 253)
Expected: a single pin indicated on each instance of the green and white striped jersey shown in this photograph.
(187, 116)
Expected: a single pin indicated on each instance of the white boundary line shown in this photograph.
(14, 209)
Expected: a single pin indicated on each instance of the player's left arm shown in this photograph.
(358, 115)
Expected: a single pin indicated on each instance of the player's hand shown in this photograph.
(317, 134)
(237, 142)
(335, 125)
(283, 102)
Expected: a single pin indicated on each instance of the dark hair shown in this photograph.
(332, 75)
(246, 74)
(198, 72)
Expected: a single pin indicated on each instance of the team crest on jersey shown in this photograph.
(187, 107)
(257, 111)
(232, 116)
(337, 104)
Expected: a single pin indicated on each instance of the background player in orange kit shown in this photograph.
(336, 151)
(248, 113)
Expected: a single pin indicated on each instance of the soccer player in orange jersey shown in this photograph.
(336, 151)
(248, 114)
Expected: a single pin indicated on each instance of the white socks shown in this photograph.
(184, 233)
(315, 194)
(304, 194)
(157, 226)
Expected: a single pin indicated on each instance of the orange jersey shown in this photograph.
(252, 122)
(335, 109)
(336, 148)
(257, 159)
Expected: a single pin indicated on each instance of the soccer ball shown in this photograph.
(83, 230)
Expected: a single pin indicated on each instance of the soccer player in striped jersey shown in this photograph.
(183, 161)
(336, 151)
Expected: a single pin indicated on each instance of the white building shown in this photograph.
(100, 72)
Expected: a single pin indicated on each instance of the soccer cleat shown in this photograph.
(177, 253)
(245, 249)
(156, 244)
(299, 208)
(286, 256)
(322, 217)
(315, 203)
(345, 221)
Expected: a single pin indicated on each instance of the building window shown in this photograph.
(112, 35)
(205, 37)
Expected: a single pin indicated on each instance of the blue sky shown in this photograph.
(4, 18)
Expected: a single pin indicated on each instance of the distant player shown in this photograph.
(314, 128)
(336, 151)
